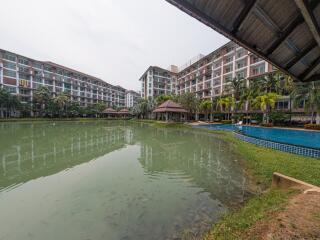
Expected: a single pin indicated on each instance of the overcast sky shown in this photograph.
(115, 40)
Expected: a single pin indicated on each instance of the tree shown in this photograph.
(309, 93)
(13, 104)
(236, 87)
(98, 108)
(8, 103)
(206, 107)
(226, 104)
(270, 82)
(190, 102)
(62, 100)
(4, 99)
(42, 96)
(265, 103)
(249, 94)
(162, 98)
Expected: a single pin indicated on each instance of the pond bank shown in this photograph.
(261, 163)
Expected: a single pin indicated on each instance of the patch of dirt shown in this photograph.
(300, 219)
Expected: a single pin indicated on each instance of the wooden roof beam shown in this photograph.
(283, 35)
(307, 12)
(249, 5)
(301, 54)
(304, 76)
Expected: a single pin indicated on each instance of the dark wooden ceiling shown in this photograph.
(284, 32)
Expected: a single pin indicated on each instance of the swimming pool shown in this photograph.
(309, 139)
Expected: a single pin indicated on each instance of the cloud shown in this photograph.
(115, 40)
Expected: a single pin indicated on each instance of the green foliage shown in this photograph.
(279, 117)
(189, 101)
(310, 94)
(265, 103)
(206, 107)
(8, 103)
(162, 98)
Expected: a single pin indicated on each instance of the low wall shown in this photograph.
(284, 182)
(309, 152)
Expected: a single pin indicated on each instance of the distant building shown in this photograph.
(21, 76)
(206, 76)
(209, 76)
(158, 81)
(132, 98)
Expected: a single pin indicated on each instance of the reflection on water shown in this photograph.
(113, 180)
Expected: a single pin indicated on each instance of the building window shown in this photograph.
(240, 53)
(229, 59)
(258, 70)
(241, 74)
(23, 61)
(255, 59)
(10, 65)
(9, 57)
(227, 78)
(9, 73)
(228, 69)
(10, 89)
(241, 64)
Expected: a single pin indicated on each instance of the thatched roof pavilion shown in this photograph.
(109, 112)
(124, 112)
(170, 110)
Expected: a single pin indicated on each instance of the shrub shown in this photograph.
(267, 124)
(226, 121)
(279, 117)
(312, 126)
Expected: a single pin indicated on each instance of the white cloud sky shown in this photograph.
(115, 40)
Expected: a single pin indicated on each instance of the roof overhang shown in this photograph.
(285, 33)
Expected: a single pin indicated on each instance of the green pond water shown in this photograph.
(113, 180)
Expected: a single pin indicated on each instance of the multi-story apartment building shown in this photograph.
(21, 76)
(209, 76)
(132, 98)
(206, 76)
(158, 81)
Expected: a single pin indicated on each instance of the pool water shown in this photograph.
(310, 139)
(113, 180)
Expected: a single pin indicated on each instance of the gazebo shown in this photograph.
(109, 113)
(124, 113)
(170, 110)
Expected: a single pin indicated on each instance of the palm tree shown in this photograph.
(310, 94)
(235, 87)
(4, 99)
(62, 101)
(13, 104)
(226, 104)
(142, 108)
(265, 103)
(42, 96)
(270, 82)
(206, 107)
